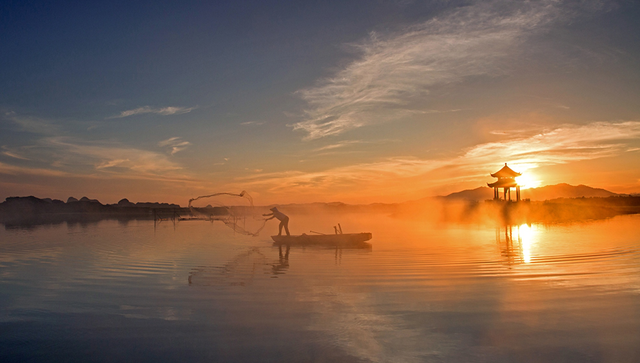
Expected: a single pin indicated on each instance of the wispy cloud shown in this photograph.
(396, 72)
(54, 155)
(337, 145)
(68, 157)
(164, 111)
(253, 123)
(176, 144)
(31, 124)
(108, 157)
(347, 143)
(559, 145)
(21, 170)
(12, 153)
(442, 111)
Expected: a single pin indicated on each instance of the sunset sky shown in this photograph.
(352, 101)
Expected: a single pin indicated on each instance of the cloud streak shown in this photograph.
(396, 72)
(54, 155)
(20, 170)
(32, 125)
(109, 158)
(252, 123)
(562, 144)
(67, 157)
(12, 153)
(175, 144)
(164, 111)
(337, 145)
(559, 145)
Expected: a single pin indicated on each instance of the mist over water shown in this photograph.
(425, 290)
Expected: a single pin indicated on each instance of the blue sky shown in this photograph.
(357, 101)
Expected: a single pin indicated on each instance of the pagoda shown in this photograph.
(506, 181)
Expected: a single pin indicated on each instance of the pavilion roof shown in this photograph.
(505, 172)
(503, 183)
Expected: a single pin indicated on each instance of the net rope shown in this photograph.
(233, 215)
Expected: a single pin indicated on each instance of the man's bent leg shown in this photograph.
(286, 227)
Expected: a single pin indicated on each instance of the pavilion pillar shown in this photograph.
(518, 193)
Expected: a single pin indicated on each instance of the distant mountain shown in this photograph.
(479, 194)
(543, 193)
(565, 191)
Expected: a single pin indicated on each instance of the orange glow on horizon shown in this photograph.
(528, 180)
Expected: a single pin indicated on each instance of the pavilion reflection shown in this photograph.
(515, 242)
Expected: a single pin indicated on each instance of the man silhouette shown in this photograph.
(284, 220)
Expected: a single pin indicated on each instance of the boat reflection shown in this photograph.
(239, 271)
(515, 243)
(249, 265)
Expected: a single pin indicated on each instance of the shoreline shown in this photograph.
(25, 212)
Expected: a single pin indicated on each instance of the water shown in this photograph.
(195, 291)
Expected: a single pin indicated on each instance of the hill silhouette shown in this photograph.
(547, 192)
(31, 210)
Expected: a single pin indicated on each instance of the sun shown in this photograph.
(528, 180)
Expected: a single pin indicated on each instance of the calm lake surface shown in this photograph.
(197, 292)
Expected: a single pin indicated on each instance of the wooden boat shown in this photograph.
(346, 239)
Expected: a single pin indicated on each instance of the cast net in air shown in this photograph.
(235, 210)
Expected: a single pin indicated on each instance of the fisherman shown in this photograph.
(284, 220)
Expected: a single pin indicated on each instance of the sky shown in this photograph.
(315, 101)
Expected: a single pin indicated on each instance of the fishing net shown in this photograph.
(235, 210)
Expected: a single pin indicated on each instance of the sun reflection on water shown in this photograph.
(526, 238)
(517, 242)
